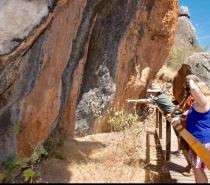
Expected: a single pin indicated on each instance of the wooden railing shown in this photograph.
(199, 149)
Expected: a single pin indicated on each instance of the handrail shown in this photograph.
(197, 146)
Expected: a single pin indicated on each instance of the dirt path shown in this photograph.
(130, 156)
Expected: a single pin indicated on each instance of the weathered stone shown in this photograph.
(80, 52)
(185, 29)
(197, 64)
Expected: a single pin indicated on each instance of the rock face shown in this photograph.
(185, 30)
(73, 61)
(18, 23)
(185, 40)
(198, 64)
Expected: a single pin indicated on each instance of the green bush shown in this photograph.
(120, 119)
(28, 165)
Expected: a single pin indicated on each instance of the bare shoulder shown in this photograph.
(202, 108)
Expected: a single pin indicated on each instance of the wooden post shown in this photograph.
(157, 120)
(160, 125)
(168, 140)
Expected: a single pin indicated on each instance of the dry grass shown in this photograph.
(132, 155)
(166, 74)
(128, 156)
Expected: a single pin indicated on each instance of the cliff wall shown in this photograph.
(64, 62)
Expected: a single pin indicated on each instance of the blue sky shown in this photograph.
(200, 18)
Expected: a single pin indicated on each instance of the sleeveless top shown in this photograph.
(198, 124)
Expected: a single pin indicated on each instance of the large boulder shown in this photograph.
(68, 62)
(185, 32)
(197, 64)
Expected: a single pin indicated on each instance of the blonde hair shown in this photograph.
(204, 89)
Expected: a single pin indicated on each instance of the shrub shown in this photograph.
(29, 166)
(120, 119)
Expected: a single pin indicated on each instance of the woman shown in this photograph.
(198, 124)
(185, 105)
